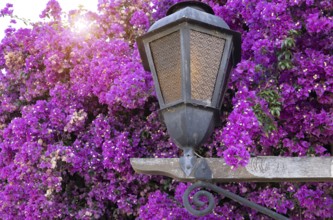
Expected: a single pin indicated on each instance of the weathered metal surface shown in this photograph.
(259, 169)
(209, 205)
(188, 161)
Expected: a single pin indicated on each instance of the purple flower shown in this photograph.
(7, 10)
(76, 106)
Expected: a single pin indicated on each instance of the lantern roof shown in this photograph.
(191, 12)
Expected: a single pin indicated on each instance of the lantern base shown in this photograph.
(189, 125)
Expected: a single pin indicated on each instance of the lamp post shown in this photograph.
(190, 53)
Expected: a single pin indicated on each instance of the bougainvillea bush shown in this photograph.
(76, 104)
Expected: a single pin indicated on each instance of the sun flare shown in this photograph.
(81, 25)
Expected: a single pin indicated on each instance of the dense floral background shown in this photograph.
(76, 104)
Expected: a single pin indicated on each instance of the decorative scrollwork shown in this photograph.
(211, 201)
(196, 200)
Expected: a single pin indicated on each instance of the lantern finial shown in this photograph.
(193, 4)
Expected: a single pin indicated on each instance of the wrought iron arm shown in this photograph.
(211, 201)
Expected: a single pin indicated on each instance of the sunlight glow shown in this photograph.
(80, 26)
(31, 10)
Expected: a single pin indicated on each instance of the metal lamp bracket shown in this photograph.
(189, 168)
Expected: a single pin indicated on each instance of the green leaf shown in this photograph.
(293, 32)
(287, 55)
(281, 66)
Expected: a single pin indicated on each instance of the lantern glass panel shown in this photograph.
(166, 53)
(206, 53)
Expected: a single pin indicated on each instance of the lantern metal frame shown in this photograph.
(183, 23)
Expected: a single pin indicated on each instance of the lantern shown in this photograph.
(190, 53)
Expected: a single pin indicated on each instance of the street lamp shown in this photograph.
(190, 53)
